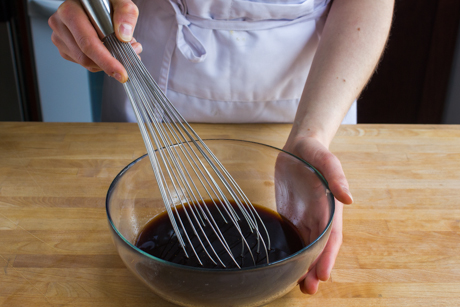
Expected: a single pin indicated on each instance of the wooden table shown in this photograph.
(401, 237)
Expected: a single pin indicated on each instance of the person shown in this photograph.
(304, 62)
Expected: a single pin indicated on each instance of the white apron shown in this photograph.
(226, 61)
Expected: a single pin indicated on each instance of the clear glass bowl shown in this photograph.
(270, 177)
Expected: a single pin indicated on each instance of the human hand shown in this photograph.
(78, 42)
(314, 152)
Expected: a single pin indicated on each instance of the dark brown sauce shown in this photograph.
(158, 239)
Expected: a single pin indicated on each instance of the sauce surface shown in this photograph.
(159, 239)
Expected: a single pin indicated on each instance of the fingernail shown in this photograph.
(345, 189)
(126, 32)
(117, 76)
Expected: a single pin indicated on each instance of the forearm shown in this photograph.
(352, 42)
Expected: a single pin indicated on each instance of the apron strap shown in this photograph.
(186, 41)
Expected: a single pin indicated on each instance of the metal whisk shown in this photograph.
(182, 163)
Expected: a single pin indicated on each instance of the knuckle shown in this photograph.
(129, 9)
(54, 38)
(336, 239)
(52, 21)
(65, 11)
(87, 63)
(85, 43)
(339, 239)
(325, 157)
(83, 60)
(94, 69)
(65, 56)
(80, 58)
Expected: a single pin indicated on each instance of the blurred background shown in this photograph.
(417, 81)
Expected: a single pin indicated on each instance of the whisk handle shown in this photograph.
(98, 12)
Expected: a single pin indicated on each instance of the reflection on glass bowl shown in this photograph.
(269, 177)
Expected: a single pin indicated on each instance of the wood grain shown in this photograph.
(401, 236)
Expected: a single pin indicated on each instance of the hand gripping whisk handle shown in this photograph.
(98, 12)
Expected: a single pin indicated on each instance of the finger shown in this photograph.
(88, 42)
(60, 32)
(137, 47)
(329, 255)
(321, 271)
(331, 168)
(125, 14)
(70, 54)
(311, 282)
(64, 39)
(68, 49)
(62, 48)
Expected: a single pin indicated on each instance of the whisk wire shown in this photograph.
(159, 121)
(167, 160)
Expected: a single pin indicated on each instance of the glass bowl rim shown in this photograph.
(253, 268)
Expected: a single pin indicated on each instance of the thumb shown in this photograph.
(329, 166)
(125, 14)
